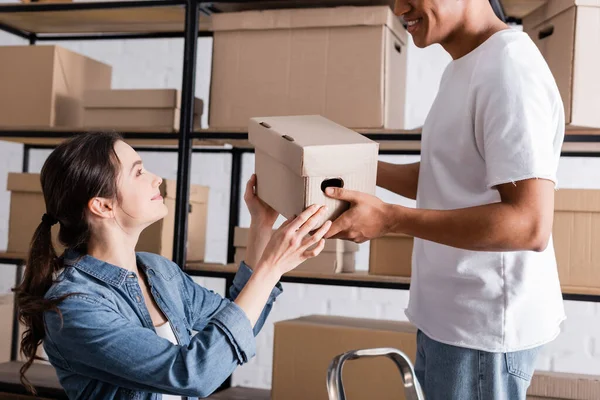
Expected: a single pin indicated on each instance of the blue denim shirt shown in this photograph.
(106, 346)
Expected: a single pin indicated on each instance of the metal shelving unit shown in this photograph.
(190, 19)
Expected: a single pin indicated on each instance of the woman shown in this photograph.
(118, 324)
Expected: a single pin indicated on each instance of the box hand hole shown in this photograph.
(333, 182)
(546, 32)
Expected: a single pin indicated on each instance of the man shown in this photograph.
(485, 293)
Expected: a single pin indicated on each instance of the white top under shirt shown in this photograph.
(166, 331)
(498, 118)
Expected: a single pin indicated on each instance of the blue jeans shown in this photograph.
(454, 373)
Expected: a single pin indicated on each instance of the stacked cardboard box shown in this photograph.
(146, 109)
(567, 33)
(27, 207)
(337, 256)
(6, 327)
(298, 157)
(391, 255)
(349, 64)
(43, 86)
(305, 347)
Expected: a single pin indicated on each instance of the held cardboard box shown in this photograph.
(26, 209)
(136, 109)
(575, 232)
(304, 349)
(567, 33)
(337, 256)
(43, 86)
(349, 64)
(558, 386)
(158, 237)
(298, 157)
(391, 255)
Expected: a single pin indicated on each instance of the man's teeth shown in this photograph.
(411, 23)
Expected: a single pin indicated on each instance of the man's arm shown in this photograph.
(522, 220)
(401, 179)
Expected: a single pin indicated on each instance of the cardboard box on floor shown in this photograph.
(298, 157)
(158, 237)
(575, 232)
(391, 255)
(6, 315)
(348, 64)
(337, 256)
(567, 33)
(43, 86)
(558, 386)
(136, 109)
(304, 349)
(27, 207)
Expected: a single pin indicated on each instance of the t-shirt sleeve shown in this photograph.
(517, 120)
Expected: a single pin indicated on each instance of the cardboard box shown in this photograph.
(43, 86)
(6, 316)
(558, 386)
(136, 109)
(349, 64)
(337, 256)
(391, 255)
(305, 347)
(239, 393)
(567, 33)
(26, 209)
(575, 232)
(158, 237)
(297, 158)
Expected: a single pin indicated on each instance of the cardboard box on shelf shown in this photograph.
(349, 64)
(567, 33)
(6, 314)
(136, 109)
(158, 237)
(26, 209)
(298, 157)
(576, 227)
(43, 86)
(305, 347)
(391, 255)
(337, 256)
(559, 386)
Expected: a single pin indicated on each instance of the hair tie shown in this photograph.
(49, 219)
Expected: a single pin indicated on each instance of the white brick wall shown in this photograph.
(157, 64)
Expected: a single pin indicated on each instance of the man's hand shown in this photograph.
(366, 219)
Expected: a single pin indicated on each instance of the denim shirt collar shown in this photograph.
(102, 270)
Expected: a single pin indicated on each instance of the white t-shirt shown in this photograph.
(498, 118)
(166, 331)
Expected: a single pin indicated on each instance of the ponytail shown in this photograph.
(42, 265)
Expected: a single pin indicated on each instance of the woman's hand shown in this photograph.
(262, 215)
(291, 244)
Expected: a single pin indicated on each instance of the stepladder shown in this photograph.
(335, 384)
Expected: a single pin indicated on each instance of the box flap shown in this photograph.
(553, 385)
(358, 323)
(137, 98)
(309, 18)
(311, 145)
(240, 239)
(551, 9)
(18, 182)
(579, 200)
(198, 193)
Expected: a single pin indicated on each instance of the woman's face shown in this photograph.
(140, 201)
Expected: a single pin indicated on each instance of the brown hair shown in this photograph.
(79, 169)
